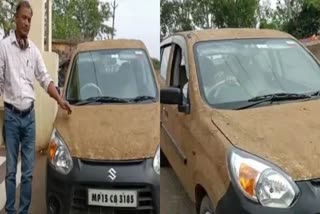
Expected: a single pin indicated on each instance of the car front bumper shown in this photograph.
(306, 203)
(69, 193)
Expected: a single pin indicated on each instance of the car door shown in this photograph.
(174, 118)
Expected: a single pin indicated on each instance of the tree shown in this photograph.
(105, 31)
(175, 15)
(156, 63)
(82, 20)
(314, 3)
(203, 13)
(235, 13)
(301, 18)
(65, 25)
(7, 11)
(306, 23)
(265, 16)
(182, 15)
(274, 18)
(286, 11)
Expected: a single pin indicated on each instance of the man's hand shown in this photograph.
(65, 105)
(52, 91)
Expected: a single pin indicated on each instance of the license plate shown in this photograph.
(112, 198)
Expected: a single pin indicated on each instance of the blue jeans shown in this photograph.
(19, 130)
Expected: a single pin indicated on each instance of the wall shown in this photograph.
(45, 106)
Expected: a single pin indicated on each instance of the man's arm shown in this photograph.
(47, 83)
(52, 91)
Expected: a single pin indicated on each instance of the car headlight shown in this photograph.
(156, 161)
(59, 155)
(260, 181)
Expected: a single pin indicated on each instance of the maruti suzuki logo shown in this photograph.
(112, 174)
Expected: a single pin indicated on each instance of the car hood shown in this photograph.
(287, 135)
(111, 132)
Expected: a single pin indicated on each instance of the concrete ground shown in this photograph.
(174, 199)
(38, 192)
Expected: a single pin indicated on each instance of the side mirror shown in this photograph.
(171, 96)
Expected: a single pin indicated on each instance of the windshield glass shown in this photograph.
(124, 74)
(234, 71)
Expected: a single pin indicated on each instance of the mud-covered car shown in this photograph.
(239, 120)
(104, 157)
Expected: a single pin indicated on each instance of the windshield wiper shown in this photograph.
(103, 99)
(142, 98)
(315, 94)
(274, 97)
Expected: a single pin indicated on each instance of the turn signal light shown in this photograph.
(248, 178)
(52, 149)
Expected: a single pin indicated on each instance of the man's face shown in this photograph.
(23, 21)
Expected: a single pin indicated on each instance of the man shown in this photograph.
(20, 63)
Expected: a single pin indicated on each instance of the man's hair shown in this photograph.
(23, 3)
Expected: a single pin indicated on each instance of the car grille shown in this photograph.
(145, 202)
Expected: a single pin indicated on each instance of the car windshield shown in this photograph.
(117, 74)
(234, 71)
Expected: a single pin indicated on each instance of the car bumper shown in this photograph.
(307, 202)
(69, 193)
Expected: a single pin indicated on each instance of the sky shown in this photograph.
(139, 19)
(273, 3)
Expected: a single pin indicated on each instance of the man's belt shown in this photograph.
(22, 113)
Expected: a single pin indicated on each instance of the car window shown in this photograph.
(164, 62)
(116, 73)
(179, 76)
(237, 70)
(176, 61)
(291, 59)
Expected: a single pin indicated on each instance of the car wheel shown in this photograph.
(206, 206)
(163, 160)
(53, 206)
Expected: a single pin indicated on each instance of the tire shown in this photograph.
(163, 160)
(206, 206)
(53, 206)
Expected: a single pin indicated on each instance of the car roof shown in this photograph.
(231, 33)
(110, 44)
